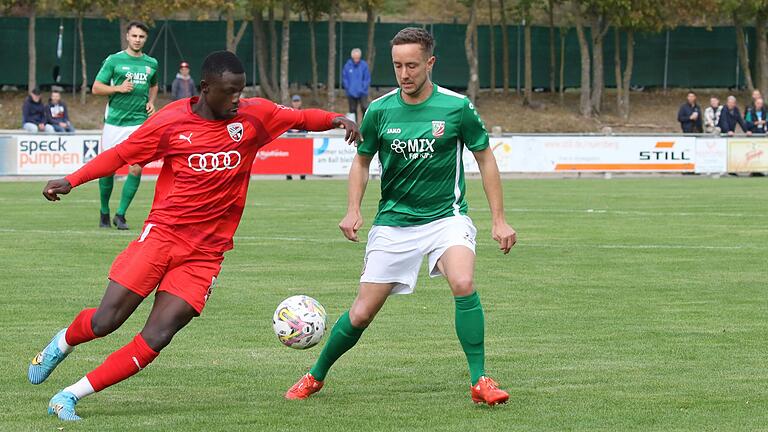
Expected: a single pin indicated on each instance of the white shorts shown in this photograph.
(114, 135)
(395, 254)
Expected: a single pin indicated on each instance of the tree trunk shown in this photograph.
(272, 45)
(585, 105)
(762, 52)
(492, 78)
(741, 48)
(563, 35)
(32, 49)
(83, 65)
(617, 68)
(267, 87)
(598, 79)
(528, 91)
(332, 55)
(370, 17)
(285, 97)
(234, 39)
(504, 49)
(552, 54)
(313, 54)
(627, 81)
(121, 30)
(471, 53)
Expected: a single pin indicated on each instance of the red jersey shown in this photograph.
(201, 190)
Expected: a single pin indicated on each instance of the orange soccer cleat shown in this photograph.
(487, 391)
(303, 389)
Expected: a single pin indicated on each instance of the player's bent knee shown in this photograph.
(135, 170)
(361, 316)
(104, 322)
(157, 339)
(462, 286)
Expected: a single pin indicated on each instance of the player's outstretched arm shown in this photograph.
(352, 134)
(501, 231)
(102, 165)
(358, 180)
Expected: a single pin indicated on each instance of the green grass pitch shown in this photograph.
(628, 304)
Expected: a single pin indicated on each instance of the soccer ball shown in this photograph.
(299, 322)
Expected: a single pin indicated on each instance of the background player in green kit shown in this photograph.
(419, 132)
(129, 78)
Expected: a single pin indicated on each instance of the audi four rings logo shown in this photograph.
(210, 162)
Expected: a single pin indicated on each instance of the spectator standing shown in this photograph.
(296, 104)
(183, 86)
(756, 117)
(33, 114)
(689, 115)
(57, 115)
(356, 80)
(730, 117)
(712, 115)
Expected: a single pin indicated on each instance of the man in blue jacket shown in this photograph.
(730, 117)
(689, 115)
(356, 79)
(33, 114)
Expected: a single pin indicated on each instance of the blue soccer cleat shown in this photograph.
(46, 361)
(62, 405)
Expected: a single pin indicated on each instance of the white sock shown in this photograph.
(81, 388)
(63, 345)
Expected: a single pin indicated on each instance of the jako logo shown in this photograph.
(210, 162)
(393, 131)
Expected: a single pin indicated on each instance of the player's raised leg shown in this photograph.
(116, 306)
(344, 335)
(457, 263)
(169, 315)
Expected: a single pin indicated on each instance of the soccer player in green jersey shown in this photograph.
(419, 132)
(129, 78)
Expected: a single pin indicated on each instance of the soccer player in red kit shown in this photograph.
(208, 145)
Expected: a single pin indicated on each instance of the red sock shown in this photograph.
(81, 331)
(122, 364)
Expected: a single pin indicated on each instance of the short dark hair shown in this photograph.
(137, 24)
(691, 92)
(218, 62)
(415, 35)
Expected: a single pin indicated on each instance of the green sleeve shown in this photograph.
(370, 133)
(153, 78)
(473, 132)
(105, 73)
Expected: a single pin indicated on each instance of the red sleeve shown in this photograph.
(101, 166)
(147, 143)
(280, 118)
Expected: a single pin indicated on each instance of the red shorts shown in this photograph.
(159, 259)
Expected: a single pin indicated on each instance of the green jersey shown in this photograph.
(128, 109)
(420, 148)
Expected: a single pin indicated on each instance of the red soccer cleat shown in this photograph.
(303, 389)
(487, 391)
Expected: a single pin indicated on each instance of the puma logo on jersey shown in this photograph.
(394, 131)
(186, 138)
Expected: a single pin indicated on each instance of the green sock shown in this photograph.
(470, 327)
(105, 191)
(343, 337)
(129, 191)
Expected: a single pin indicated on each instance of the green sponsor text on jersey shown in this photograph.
(420, 148)
(128, 109)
